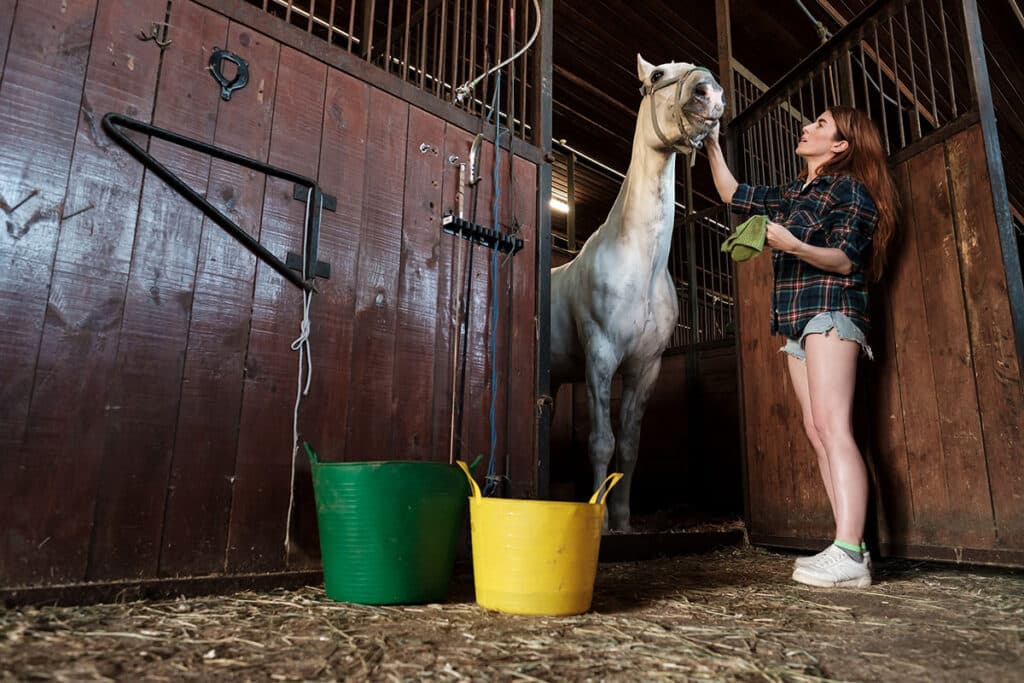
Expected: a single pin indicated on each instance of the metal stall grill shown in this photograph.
(435, 45)
(903, 63)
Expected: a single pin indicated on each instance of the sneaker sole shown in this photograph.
(859, 582)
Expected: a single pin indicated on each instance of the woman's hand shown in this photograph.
(826, 258)
(779, 237)
(711, 139)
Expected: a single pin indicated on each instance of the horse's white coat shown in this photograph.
(613, 307)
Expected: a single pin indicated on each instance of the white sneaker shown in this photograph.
(833, 568)
(807, 560)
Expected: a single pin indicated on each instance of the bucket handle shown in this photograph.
(311, 453)
(610, 481)
(472, 482)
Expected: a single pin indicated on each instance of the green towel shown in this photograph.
(748, 240)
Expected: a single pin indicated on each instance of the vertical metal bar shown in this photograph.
(288, 12)
(570, 217)
(928, 60)
(525, 70)
(456, 44)
(949, 61)
(542, 139)
(978, 79)
(864, 78)
(312, 13)
(330, 22)
(387, 36)
(423, 48)
(486, 58)
(406, 37)
(439, 66)
(471, 73)
(915, 127)
(896, 77)
(881, 92)
(499, 43)
(846, 75)
(351, 23)
(368, 19)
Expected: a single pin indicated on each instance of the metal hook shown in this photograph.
(238, 82)
(154, 34)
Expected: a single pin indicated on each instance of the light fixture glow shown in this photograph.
(559, 206)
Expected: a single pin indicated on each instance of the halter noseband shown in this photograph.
(677, 113)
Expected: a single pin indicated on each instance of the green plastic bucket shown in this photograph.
(388, 530)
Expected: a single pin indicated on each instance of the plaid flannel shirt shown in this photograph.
(832, 211)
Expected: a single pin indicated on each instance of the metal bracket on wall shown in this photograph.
(479, 234)
(241, 77)
(293, 270)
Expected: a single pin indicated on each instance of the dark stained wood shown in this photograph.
(206, 433)
(993, 350)
(7, 8)
(920, 409)
(372, 370)
(39, 110)
(521, 380)
(961, 461)
(885, 449)
(456, 142)
(415, 324)
(322, 417)
(147, 374)
(476, 436)
(263, 466)
(782, 472)
(87, 293)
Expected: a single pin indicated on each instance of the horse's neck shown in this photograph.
(644, 211)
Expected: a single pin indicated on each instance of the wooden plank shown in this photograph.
(206, 434)
(456, 142)
(476, 437)
(7, 9)
(263, 467)
(959, 422)
(929, 496)
(416, 311)
(373, 358)
(993, 347)
(88, 289)
(522, 399)
(40, 99)
(324, 412)
(147, 374)
(887, 450)
(966, 518)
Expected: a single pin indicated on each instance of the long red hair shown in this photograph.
(864, 159)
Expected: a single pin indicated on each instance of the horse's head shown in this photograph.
(685, 103)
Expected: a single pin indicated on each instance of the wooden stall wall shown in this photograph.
(149, 384)
(940, 413)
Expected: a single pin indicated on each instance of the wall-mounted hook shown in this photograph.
(154, 34)
(238, 82)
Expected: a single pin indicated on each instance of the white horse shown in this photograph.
(613, 307)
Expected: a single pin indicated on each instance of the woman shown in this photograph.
(828, 230)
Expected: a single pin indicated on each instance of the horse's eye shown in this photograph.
(656, 76)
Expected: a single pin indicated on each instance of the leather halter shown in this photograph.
(678, 114)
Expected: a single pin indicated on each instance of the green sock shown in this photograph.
(863, 547)
(854, 551)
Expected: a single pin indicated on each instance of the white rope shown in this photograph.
(464, 90)
(301, 344)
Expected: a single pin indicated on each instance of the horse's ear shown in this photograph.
(643, 67)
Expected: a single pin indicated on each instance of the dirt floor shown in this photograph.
(730, 615)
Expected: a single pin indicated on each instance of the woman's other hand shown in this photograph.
(779, 237)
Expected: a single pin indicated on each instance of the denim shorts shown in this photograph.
(823, 323)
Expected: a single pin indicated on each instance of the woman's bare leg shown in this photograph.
(798, 375)
(831, 377)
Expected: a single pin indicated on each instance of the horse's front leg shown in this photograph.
(601, 446)
(637, 385)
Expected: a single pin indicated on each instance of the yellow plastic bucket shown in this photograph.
(533, 556)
